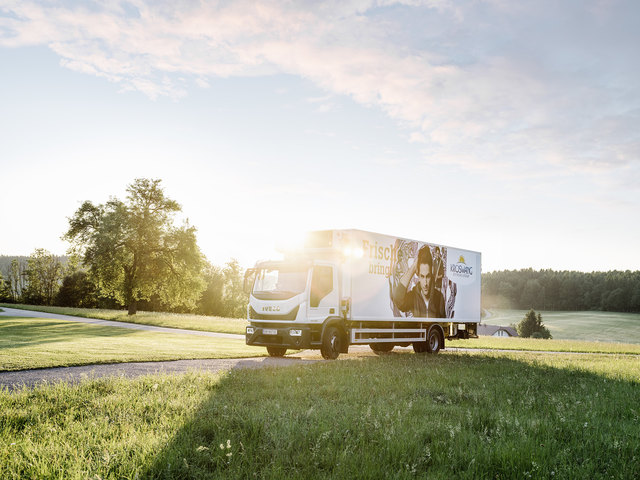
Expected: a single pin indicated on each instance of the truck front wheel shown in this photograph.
(331, 343)
(276, 351)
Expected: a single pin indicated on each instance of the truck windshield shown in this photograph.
(279, 283)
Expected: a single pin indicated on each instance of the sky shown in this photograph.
(509, 128)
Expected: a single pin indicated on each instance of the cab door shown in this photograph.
(323, 294)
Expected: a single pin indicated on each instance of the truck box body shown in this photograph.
(368, 286)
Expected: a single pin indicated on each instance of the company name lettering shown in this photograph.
(379, 252)
(461, 269)
(271, 308)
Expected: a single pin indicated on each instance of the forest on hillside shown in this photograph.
(613, 291)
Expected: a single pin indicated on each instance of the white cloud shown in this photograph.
(543, 87)
(417, 137)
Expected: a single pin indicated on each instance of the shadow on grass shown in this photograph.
(18, 332)
(408, 416)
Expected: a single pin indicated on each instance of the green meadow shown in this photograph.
(27, 343)
(401, 416)
(588, 326)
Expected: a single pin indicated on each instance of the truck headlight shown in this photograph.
(295, 333)
(250, 330)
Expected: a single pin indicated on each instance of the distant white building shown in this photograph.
(496, 331)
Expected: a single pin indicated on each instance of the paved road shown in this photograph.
(30, 378)
(14, 312)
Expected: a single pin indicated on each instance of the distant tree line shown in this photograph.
(613, 291)
(47, 279)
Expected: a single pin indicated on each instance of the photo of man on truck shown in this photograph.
(425, 299)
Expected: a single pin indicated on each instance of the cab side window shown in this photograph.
(321, 284)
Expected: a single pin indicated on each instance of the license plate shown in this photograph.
(270, 331)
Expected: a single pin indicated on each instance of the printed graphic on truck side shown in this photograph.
(395, 277)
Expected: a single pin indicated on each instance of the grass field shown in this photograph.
(401, 416)
(171, 320)
(27, 343)
(533, 344)
(588, 326)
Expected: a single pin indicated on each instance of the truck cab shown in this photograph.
(292, 302)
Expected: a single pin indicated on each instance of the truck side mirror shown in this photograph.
(249, 278)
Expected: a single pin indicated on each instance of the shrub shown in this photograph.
(531, 326)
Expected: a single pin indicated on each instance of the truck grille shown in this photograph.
(253, 315)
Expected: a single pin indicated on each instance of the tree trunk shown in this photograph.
(133, 307)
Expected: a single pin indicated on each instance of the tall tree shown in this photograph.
(211, 302)
(44, 274)
(5, 294)
(133, 250)
(17, 279)
(234, 297)
(77, 291)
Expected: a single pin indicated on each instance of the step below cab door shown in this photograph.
(323, 295)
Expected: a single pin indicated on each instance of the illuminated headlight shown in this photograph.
(295, 333)
(250, 330)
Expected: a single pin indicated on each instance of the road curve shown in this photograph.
(30, 378)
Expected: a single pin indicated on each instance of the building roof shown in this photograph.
(489, 330)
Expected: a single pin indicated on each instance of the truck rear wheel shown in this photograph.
(381, 347)
(420, 347)
(434, 341)
(331, 343)
(276, 351)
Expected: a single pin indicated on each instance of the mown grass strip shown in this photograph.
(535, 344)
(171, 320)
(27, 343)
(401, 416)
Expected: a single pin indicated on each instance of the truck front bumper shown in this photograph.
(296, 337)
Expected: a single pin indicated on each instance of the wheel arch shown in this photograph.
(440, 331)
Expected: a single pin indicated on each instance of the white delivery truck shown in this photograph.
(351, 287)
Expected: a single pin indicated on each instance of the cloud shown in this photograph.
(539, 87)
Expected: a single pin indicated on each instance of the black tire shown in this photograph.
(381, 348)
(434, 341)
(420, 347)
(276, 351)
(331, 343)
